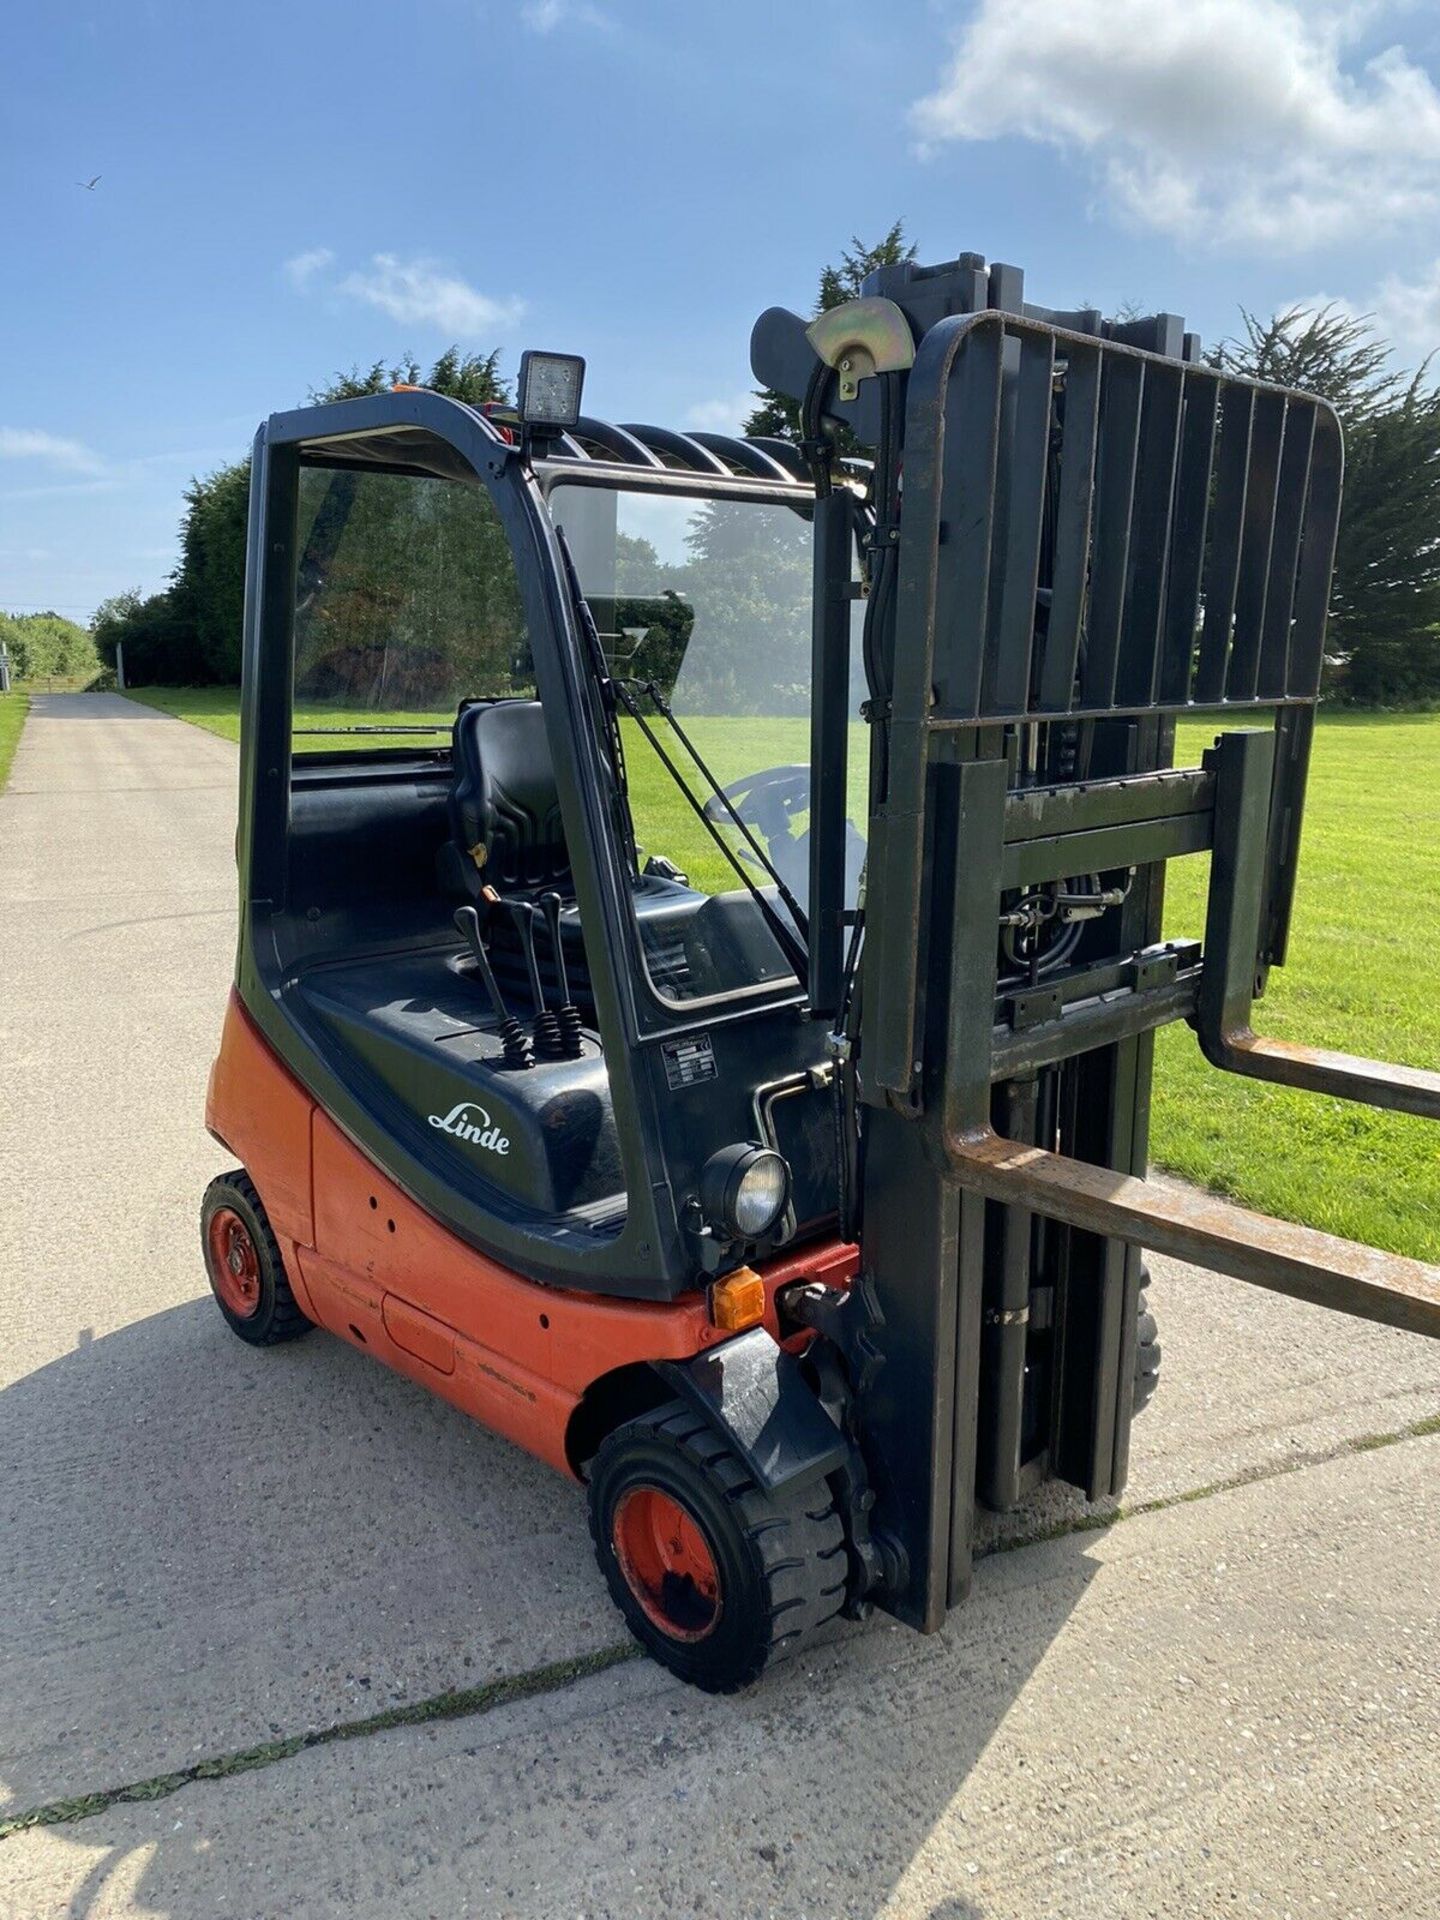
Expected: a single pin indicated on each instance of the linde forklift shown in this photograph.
(764, 1145)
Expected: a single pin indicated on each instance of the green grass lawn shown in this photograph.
(1363, 978)
(217, 709)
(13, 707)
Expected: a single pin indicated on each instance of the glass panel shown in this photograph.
(406, 603)
(704, 606)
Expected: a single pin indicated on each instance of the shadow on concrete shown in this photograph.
(207, 1546)
(210, 1547)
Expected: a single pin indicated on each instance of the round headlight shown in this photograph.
(744, 1190)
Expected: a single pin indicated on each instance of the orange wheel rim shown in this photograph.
(234, 1262)
(667, 1563)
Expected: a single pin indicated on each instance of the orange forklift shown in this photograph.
(700, 925)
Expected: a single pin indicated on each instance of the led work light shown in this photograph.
(549, 389)
(744, 1190)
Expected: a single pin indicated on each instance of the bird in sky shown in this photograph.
(89, 185)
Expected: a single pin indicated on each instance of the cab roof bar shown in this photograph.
(685, 451)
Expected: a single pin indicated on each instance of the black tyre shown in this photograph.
(1147, 1355)
(715, 1577)
(242, 1260)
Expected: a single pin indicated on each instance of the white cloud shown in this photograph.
(1405, 313)
(1221, 121)
(303, 268)
(416, 292)
(544, 16)
(33, 443)
(721, 415)
(1408, 311)
(421, 293)
(1307, 303)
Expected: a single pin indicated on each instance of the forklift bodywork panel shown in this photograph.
(519, 1356)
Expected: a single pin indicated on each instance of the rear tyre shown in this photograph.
(715, 1577)
(242, 1260)
(1147, 1355)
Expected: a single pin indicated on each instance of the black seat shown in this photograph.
(504, 809)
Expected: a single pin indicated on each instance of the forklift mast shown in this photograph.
(1074, 531)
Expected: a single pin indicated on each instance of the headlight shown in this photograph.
(744, 1190)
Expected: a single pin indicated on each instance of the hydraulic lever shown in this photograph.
(568, 1014)
(513, 1036)
(548, 1042)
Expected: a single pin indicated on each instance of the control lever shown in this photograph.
(568, 1014)
(548, 1043)
(513, 1036)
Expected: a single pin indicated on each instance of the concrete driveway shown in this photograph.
(215, 1557)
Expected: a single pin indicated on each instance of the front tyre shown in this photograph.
(242, 1260)
(715, 1577)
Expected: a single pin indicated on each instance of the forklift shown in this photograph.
(701, 934)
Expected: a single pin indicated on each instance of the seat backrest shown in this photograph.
(504, 809)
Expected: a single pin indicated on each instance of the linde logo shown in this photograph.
(471, 1122)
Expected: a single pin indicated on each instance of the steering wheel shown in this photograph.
(767, 800)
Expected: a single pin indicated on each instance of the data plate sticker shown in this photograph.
(688, 1062)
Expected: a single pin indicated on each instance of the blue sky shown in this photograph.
(290, 189)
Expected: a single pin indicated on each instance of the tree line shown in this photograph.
(1384, 645)
(46, 646)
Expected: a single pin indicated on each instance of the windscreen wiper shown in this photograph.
(615, 694)
(718, 792)
(792, 947)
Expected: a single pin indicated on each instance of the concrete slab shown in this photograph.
(207, 1547)
(1232, 1705)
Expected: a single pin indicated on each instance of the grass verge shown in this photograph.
(13, 708)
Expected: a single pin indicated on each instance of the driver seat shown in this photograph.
(505, 822)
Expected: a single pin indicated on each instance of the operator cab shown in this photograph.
(530, 921)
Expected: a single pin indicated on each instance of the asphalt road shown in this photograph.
(1229, 1701)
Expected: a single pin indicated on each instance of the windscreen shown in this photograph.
(703, 607)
